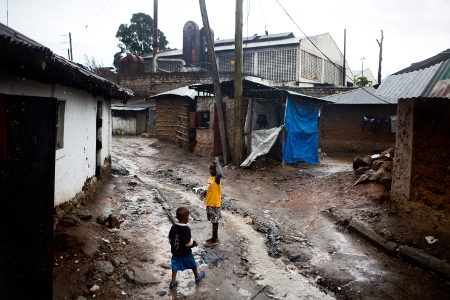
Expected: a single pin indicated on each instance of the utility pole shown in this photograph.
(155, 34)
(216, 82)
(380, 57)
(238, 61)
(345, 46)
(70, 43)
(362, 67)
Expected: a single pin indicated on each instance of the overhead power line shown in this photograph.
(324, 53)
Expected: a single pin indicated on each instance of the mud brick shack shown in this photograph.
(358, 121)
(188, 117)
(421, 173)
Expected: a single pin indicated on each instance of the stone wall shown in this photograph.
(149, 84)
(341, 128)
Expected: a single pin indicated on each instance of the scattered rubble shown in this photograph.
(375, 168)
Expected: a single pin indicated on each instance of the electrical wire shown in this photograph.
(175, 8)
(341, 70)
(264, 20)
(298, 27)
(248, 14)
(85, 19)
(80, 40)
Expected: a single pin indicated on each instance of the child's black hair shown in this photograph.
(182, 212)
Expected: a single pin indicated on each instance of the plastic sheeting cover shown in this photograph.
(302, 137)
(262, 141)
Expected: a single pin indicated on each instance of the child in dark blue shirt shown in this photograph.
(180, 245)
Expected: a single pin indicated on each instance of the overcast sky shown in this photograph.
(413, 29)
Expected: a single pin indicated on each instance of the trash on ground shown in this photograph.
(431, 240)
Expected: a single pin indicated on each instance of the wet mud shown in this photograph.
(276, 238)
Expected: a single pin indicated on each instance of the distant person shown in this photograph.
(181, 243)
(213, 199)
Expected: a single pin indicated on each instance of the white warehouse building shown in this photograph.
(277, 59)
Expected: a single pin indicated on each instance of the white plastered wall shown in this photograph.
(76, 161)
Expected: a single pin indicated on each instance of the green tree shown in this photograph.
(137, 37)
(363, 81)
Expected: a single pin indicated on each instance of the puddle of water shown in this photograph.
(359, 265)
(286, 284)
(107, 209)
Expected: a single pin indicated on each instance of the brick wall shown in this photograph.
(341, 128)
(150, 84)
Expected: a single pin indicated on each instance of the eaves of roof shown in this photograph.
(444, 55)
(251, 89)
(428, 82)
(26, 58)
(183, 92)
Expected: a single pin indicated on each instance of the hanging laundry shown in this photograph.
(393, 123)
(388, 124)
(370, 120)
(377, 125)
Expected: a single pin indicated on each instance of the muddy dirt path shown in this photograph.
(277, 241)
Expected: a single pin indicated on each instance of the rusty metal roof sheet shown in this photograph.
(29, 59)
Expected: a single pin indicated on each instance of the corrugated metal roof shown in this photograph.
(180, 92)
(255, 89)
(431, 82)
(29, 59)
(255, 38)
(166, 53)
(419, 83)
(261, 43)
(431, 61)
(360, 96)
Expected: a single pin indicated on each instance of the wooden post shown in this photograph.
(155, 35)
(249, 134)
(238, 61)
(216, 82)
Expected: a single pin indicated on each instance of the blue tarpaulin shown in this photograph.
(302, 136)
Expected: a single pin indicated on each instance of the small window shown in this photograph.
(60, 111)
(203, 119)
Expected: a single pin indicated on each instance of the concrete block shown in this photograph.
(371, 236)
(339, 216)
(425, 260)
